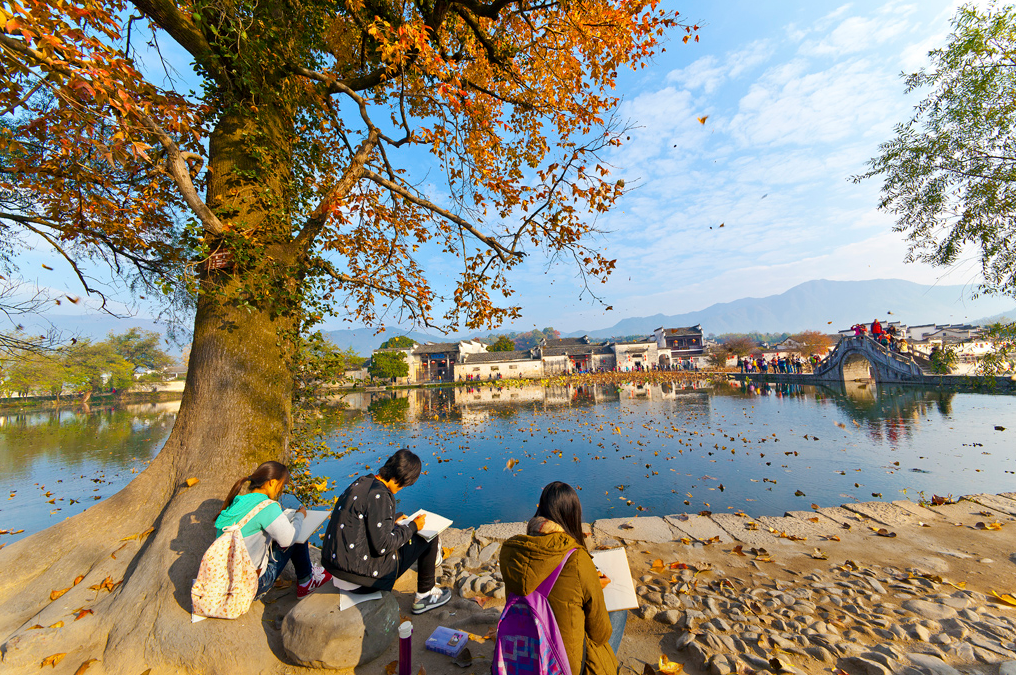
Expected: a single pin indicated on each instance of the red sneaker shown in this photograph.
(318, 578)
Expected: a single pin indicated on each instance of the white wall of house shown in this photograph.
(530, 368)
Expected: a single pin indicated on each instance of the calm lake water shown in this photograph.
(649, 450)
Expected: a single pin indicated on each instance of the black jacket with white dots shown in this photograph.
(362, 541)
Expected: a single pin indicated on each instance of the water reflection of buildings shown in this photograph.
(889, 413)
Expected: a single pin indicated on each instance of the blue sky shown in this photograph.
(798, 96)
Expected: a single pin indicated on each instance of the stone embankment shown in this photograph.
(864, 589)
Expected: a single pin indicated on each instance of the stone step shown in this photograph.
(736, 527)
(652, 529)
(994, 503)
(697, 527)
(882, 512)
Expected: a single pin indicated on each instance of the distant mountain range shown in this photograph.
(826, 306)
(814, 305)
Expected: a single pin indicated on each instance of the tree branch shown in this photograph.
(167, 15)
(418, 313)
(352, 173)
(502, 251)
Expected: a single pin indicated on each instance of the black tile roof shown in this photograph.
(437, 348)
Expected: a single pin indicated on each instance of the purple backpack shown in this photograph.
(527, 637)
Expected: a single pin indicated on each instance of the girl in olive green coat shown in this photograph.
(577, 596)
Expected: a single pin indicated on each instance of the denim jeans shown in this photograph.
(277, 559)
(618, 621)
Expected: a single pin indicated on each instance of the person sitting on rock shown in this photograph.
(270, 535)
(367, 545)
(590, 634)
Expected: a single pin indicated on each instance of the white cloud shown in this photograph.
(708, 72)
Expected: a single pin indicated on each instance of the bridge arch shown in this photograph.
(861, 358)
(856, 366)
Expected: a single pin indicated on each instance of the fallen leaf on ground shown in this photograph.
(107, 584)
(1005, 598)
(668, 667)
(140, 535)
(481, 600)
(739, 550)
(465, 659)
(392, 668)
(84, 666)
(648, 670)
(882, 532)
(58, 624)
(78, 579)
(53, 659)
(423, 671)
(83, 613)
(35, 627)
(191, 482)
(819, 555)
(988, 526)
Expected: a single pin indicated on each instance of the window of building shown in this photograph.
(493, 367)
(512, 367)
(476, 370)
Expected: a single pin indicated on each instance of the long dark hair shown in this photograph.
(264, 473)
(560, 503)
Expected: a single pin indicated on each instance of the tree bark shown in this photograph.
(235, 414)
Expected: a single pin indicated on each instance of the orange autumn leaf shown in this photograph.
(191, 482)
(668, 667)
(392, 668)
(78, 579)
(106, 584)
(82, 613)
(56, 594)
(58, 624)
(53, 659)
(84, 666)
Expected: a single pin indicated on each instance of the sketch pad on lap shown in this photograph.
(620, 592)
(311, 522)
(433, 526)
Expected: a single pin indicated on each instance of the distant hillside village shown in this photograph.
(667, 349)
(468, 360)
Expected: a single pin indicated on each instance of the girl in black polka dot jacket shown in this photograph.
(365, 545)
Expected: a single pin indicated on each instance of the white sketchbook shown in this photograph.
(311, 522)
(348, 599)
(433, 524)
(620, 592)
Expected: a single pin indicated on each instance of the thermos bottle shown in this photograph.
(405, 648)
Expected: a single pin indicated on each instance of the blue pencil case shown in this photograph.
(447, 641)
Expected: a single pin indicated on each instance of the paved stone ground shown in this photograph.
(829, 594)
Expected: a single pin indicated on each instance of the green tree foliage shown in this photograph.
(948, 173)
(140, 348)
(398, 342)
(502, 344)
(717, 356)
(388, 365)
(943, 359)
(1003, 358)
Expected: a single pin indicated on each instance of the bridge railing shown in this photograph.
(826, 364)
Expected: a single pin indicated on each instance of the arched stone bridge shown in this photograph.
(862, 358)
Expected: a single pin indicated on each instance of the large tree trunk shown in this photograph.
(235, 414)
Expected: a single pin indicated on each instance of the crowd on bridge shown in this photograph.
(889, 337)
(780, 363)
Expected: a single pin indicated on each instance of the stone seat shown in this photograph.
(316, 634)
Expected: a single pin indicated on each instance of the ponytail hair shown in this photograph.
(264, 473)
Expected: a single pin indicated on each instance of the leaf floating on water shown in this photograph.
(53, 595)
(815, 506)
(511, 463)
(798, 493)
(52, 660)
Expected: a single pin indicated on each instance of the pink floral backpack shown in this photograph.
(226, 581)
